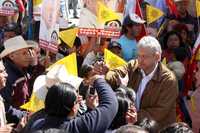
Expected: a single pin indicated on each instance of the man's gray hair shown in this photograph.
(151, 43)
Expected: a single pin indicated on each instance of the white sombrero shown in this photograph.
(14, 44)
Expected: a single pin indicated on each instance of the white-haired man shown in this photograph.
(16, 58)
(156, 86)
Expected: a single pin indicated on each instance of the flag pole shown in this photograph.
(30, 16)
(198, 24)
(162, 26)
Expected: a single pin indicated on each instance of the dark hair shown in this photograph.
(114, 44)
(60, 100)
(148, 124)
(77, 42)
(179, 127)
(120, 118)
(180, 27)
(12, 27)
(166, 37)
(85, 69)
(130, 129)
(127, 22)
(50, 130)
(181, 54)
(127, 92)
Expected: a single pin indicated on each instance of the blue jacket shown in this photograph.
(95, 121)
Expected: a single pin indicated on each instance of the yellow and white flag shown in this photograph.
(198, 7)
(105, 14)
(68, 36)
(112, 60)
(153, 14)
(70, 64)
(64, 70)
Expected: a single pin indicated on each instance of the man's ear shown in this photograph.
(158, 56)
(73, 110)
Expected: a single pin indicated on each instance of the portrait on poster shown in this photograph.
(8, 7)
(49, 24)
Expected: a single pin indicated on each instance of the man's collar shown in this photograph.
(158, 73)
(150, 74)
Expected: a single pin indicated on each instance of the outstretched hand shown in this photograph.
(123, 80)
(100, 68)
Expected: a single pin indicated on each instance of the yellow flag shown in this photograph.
(164, 61)
(198, 7)
(70, 64)
(153, 14)
(34, 104)
(68, 36)
(193, 103)
(37, 2)
(112, 60)
(105, 14)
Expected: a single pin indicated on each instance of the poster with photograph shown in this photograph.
(64, 13)
(8, 7)
(49, 25)
(101, 18)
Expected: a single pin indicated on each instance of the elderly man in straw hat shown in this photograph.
(17, 57)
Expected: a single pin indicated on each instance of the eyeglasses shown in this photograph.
(145, 56)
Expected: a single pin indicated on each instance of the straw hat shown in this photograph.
(32, 43)
(14, 44)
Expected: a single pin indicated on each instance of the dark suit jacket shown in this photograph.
(95, 121)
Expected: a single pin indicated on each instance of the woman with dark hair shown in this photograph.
(183, 30)
(176, 50)
(126, 112)
(62, 104)
(174, 47)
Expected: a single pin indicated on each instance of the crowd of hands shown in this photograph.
(99, 70)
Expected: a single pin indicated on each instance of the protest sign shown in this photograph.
(8, 7)
(49, 25)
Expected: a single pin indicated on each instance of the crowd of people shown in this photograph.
(156, 91)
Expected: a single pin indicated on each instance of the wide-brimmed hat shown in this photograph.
(32, 43)
(14, 44)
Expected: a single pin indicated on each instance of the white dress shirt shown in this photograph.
(142, 86)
